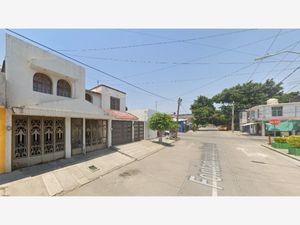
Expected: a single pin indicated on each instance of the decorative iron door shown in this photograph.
(36, 140)
(76, 133)
(121, 132)
(95, 134)
(138, 130)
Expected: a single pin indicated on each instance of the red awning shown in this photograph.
(121, 115)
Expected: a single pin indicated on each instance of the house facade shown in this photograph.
(144, 115)
(47, 114)
(253, 120)
(124, 126)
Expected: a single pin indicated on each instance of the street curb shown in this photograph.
(151, 153)
(278, 151)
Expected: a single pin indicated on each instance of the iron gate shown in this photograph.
(77, 135)
(121, 132)
(138, 130)
(37, 140)
(95, 134)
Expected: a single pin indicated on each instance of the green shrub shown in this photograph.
(294, 141)
(281, 139)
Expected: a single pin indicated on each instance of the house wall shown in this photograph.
(144, 115)
(23, 60)
(2, 88)
(2, 138)
(289, 111)
(96, 98)
(107, 93)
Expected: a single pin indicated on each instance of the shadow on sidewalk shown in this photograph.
(47, 167)
(163, 143)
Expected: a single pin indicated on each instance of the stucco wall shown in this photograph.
(23, 60)
(2, 138)
(96, 98)
(2, 88)
(107, 93)
(144, 115)
(289, 111)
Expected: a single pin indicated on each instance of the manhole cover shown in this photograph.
(93, 168)
(258, 162)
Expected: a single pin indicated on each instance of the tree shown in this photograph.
(288, 97)
(246, 96)
(160, 122)
(203, 110)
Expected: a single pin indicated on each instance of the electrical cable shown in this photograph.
(87, 65)
(157, 43)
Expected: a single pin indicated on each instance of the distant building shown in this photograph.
(254, 120)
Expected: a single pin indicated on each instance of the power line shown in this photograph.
(267, 51)
(166, 62)
(187, 42)
(293, 87)
(208, 56)
(158, 43)
(218, 79)
(294, 45)
(87, 65)
(290, 74)
(195, 79)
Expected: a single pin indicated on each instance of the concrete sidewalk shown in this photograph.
(282, 151)
(59, 177)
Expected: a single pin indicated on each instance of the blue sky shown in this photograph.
(159, 67)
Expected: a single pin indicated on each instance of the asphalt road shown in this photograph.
(204, 163)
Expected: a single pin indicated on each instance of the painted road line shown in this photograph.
(204, 182)
(251, 154)
(218, 179)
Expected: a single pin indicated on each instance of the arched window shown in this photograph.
(88, 97)
(63, 88)
(42, 83)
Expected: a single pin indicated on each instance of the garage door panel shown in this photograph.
(122, 132)
(138, 130)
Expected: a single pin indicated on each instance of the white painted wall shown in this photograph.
(96, 97)
(106, 93)
(2, 88)
(289, 111)
(23, 60)
(144, 115)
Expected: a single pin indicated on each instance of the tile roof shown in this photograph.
(121, 115)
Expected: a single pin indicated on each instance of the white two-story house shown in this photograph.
(254, 119)
(46, 113)
(125, 126)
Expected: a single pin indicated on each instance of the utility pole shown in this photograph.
(232, 118)
(177, 116)
(178, 106)
(156, 106)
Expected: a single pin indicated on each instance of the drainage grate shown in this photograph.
(258, 162)
(93, 168)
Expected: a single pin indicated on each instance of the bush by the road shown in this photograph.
(281, 139)
(294, 141)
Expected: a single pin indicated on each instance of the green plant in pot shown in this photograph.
(281, 142)
(294, 142)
